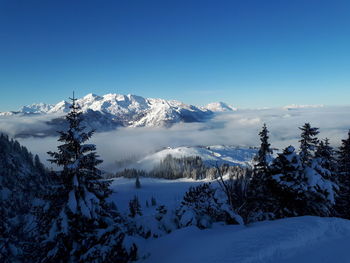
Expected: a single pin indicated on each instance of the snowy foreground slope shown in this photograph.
(166, 192)
(302, 239)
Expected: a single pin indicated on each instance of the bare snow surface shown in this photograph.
(301, 239)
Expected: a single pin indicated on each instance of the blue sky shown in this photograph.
(247, 53)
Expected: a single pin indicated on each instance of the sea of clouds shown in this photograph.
(239, 128)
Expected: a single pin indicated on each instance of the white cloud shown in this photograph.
(236, 128)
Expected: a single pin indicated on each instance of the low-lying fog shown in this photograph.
(237, 128)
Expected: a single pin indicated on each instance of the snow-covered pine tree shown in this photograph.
(161, 211)
(288, 184)
(308, 143)
(301, 190)
(344, 157)
(326, 155)
(343, 160)
(263, 157)
(202, 205)
(321, 189)
(86, 227)
(259, 195)
(325, 166)
(134, 207)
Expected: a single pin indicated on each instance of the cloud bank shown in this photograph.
(237, 128)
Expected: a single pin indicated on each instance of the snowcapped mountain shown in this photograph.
(115, 110)
(219, 107)
(36, 108)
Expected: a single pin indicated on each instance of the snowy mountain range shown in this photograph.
(113, 110)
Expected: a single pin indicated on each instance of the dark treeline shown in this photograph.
(171, 167)
(65, 215)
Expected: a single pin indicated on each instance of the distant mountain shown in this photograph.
(114, 110)
(219, 107)
(296, 106)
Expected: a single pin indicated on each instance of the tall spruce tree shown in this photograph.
(134, 207)
(259, 194)
(86, 227)
(343, 201)
(288, 184)
(301, 190)
(308, 143)
(326, 157)
(344, 157)
(264, 155)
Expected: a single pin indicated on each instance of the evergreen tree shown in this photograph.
(38, 165)
(84, 221)
(343, 201)
(301, 190)
(137, 182)
(326, 157)
(264, 154)
(202, 205)
(259, 196)
(153, 201)
(161, 211)
(344, 158)
(134, 207)
(288, 184)
(308, 143)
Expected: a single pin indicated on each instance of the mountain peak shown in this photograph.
(219, 107)
(91, 96)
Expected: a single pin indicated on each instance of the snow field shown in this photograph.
(300, 239)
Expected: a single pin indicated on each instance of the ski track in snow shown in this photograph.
(303, 239)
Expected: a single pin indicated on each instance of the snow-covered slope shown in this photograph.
(219, 107)
(167, 192)
(300, 239)
(211, 155)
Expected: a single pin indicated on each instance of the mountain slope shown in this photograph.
(211, 156)
(219, 107)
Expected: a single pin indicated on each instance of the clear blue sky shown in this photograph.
(247, 53)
